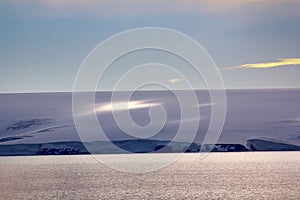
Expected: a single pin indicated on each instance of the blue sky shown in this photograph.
(43, 43)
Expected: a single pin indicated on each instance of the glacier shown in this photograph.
(41, 123)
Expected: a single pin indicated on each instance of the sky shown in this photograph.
(254, 43)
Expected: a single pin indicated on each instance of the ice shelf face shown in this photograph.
(138, 146)
(268, 145)
(116, 147)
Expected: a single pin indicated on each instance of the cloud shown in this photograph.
(124, 105)
(179, 4)
(175, 80)
(133, 7)
(279, 63)
(205, 105)
(188, 120)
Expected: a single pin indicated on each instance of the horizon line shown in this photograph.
(148, 90)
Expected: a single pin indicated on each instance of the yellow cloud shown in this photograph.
(280, 63)
(175, 80)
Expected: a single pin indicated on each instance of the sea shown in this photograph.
(230, 175)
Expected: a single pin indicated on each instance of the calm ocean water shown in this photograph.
(246, 175)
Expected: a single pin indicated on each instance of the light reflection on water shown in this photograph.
(246, 175)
